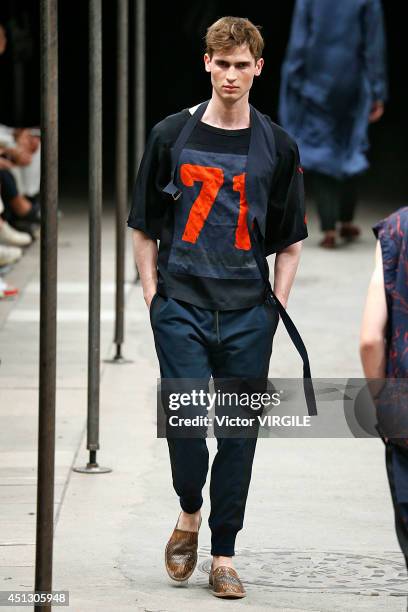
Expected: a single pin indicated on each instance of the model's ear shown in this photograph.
(259, 66)
(207, 61)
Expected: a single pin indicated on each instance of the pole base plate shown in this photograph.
(118, 360)
(92, 468)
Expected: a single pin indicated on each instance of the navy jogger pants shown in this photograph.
(193, 342)
(396, 460)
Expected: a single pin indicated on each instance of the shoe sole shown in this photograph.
(229, 594)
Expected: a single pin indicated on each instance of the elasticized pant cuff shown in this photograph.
(223, 544)
(191, 504)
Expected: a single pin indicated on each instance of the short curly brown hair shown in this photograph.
(229, 32)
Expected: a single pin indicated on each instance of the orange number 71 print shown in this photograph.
(212, 180)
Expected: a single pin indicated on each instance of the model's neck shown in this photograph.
(227, 115)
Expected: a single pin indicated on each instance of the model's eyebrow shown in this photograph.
(242, 62)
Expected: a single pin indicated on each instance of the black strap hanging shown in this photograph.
(289, 325)
(171, 188)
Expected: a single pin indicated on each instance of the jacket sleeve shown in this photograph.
(286, 220)
(374, 49)
(296, 50)
(148, 206)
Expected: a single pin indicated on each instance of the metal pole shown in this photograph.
(121, 171)
(139, 80)
(48, 298)
(140, 84)
(95, 215)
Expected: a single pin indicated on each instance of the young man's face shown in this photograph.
(233, 72)
(3, 40)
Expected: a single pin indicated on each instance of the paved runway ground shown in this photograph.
(319, 530)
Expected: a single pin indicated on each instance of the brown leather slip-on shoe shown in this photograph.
(181, 553)
(225, 582)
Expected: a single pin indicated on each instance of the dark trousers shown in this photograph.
(335, 199)
(8, 191)
(194, 342)
(396, 460)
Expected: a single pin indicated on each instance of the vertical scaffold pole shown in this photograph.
(95, 222)
(48, 299)
(121, 170)
(139, 89)
(139, 84)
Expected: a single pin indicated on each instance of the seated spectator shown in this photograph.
(8, 235)
(20, 175)
(21, 147)
(17, 151)
(20, 212)
(20, 158)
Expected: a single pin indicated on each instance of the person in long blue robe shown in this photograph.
(333, 85)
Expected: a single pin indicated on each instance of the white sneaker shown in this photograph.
(11, 237)
(6, 290)
(9, 255)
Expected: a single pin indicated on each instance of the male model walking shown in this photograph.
(221, 186)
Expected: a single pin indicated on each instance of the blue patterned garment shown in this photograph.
(392, 233)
